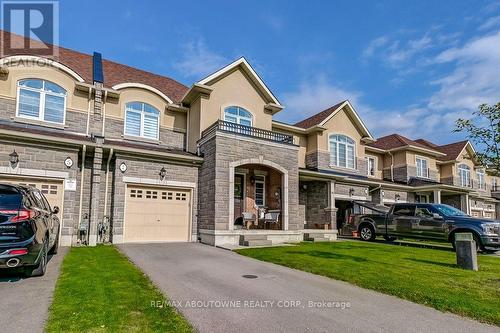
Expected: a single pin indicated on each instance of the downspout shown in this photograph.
(84, 151)
(88, 111)
(392, 166)
(104, 113)
(106, 189)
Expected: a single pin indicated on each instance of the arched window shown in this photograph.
(464, 174)
(41, 100)
(237, 115)
(142, 120)
(342, 151)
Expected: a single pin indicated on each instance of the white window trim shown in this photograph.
(427, 171)
(374, 158)
(142, 114)
(468, 171)
(263, 182)
(355, 167)
(481, 181)
(41, 110)
(238, 117)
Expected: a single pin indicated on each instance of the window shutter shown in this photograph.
(29, 103)
(151, 126)
(54, 109)
(133, 123)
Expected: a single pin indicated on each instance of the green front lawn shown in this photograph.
(423, 276)
(99, 290)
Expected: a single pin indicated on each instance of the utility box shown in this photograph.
(466, 251)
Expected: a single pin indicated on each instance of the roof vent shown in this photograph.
(98, 75)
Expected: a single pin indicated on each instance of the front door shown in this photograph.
(239, 188)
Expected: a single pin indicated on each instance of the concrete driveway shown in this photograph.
(198, 277)
(24, 303)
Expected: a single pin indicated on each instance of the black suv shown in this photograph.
(29, 229)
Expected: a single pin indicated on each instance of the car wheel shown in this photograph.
(55, 247)
(42, 265)
(366, 232)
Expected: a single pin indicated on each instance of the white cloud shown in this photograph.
(490, 23)
(475, 78)
(374, 46)
(198, 61)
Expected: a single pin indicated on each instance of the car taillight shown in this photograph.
(20, 215)
(18, 252)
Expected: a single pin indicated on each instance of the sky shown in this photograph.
(407, 67)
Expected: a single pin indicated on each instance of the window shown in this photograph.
(464, 174)
(141, 120)
(237, 115)
(404, 210)
(41, 100)
(260, 191)
(494, 185)
(422, 167)
(342, 151)
(480, 179)
(424, 212)
(370, 164)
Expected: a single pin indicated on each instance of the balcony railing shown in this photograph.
(225, 126)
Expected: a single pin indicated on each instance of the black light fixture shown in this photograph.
(351, 192)
(163, 173)
(13, 158)
(397, 197)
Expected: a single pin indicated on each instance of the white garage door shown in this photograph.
(52, 189)
(156, 214)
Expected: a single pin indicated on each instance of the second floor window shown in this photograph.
(480, 180)
(464, 174)
(237, 115)
(422, 167)
(342, 151)
(494, 185)
(142, 120)
(370, 164)
(41, 100)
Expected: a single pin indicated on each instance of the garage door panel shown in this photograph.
(156, 214)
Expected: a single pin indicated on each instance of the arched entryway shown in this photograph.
(258, 195)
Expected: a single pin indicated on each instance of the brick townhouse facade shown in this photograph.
(159, 161)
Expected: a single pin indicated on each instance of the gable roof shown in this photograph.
(114, 73)
(319, 119)
(394, 141)
(453, 150)
(247, 68)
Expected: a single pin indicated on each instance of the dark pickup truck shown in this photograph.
(422, 221)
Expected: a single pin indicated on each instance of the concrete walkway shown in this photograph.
(199, 277)
(24, 303)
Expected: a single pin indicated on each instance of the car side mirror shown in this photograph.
(436, 216)
(55, 210)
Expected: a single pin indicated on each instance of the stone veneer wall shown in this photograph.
(321, 160)
(148, 169)
(315, 204)
(47, 158)
(219, 151)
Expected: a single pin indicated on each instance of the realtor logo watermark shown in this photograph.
(37, 21)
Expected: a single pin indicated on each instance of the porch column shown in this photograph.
(331, 210)
(437, 196)
(465, 204)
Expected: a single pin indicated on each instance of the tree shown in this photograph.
(484, 130)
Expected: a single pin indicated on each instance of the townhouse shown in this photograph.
(157, 161)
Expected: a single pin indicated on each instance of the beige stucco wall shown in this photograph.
(340, 123)
(235, 89)
(75, 101)
(194, 130)
(447, 170)
(168, 119)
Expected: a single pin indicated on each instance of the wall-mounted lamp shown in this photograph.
(366, 191)
(13, 158)
(304, 186)
(252, 179)
(351, 192)
(383, 193)
(163, 173)
(397, 197)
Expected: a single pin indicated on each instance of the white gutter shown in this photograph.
(104, 112)
(106, 189)
(84, 150)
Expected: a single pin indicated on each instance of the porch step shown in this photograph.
(253, 237)
(316, 239)
(259, 242)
